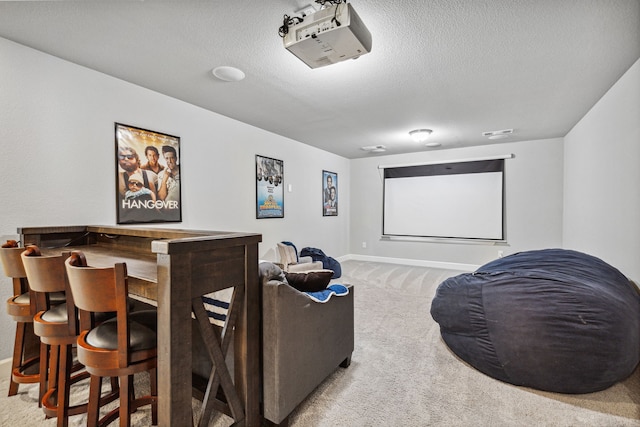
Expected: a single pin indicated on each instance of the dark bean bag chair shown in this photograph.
(554, 320)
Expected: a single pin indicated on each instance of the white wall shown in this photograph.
(58, 160)
(533, 204)
(602, 178)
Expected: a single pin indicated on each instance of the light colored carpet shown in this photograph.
(402, 373)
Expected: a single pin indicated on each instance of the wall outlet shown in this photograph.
(364, 245)
(500, 254)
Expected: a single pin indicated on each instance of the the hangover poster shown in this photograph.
(269, 188)
(148, 176)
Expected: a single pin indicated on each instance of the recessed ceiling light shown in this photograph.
(228, 74)
(432, 144)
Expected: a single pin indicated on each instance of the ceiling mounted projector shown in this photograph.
(328, 36)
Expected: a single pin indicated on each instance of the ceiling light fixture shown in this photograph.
(228, 74)
(432, 144)
(420, 135)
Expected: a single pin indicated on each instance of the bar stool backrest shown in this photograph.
(13, 267)
(45, 273)
(12, 263)
(96, 289)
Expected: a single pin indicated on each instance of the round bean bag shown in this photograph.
(553, 319)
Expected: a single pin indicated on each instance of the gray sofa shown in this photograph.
(303, 342)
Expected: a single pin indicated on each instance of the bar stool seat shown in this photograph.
(56, 314)
(19, 306)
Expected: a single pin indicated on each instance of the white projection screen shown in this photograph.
(462, 200)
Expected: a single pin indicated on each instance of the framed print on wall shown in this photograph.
(269, 187)
(329, 193)
(147, 176)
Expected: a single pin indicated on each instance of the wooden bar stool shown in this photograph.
(47, 276)
(118, 347)
(21, 306)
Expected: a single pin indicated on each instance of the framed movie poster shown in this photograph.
(147, 176)
(329, 193)
(269, 187)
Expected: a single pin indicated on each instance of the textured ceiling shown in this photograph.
(459, 67)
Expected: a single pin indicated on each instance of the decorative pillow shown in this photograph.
(309, 281)
(216, 304)
(269, 271)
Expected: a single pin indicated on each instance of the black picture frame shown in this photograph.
(329, 193)
(269, 187)
(148, 186)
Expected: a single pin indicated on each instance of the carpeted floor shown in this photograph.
(402, 374)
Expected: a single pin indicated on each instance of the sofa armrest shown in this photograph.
(303, 343)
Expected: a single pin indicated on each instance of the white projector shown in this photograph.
(322, 40)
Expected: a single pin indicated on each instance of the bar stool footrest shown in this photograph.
(18, 375)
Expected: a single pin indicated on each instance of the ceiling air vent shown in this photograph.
(374, 148)
(498, 134)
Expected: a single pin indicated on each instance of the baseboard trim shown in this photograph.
(412, 262)
(5, 367)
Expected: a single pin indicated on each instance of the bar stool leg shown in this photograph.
(126, 389)
(19, 364)
(17, 356)
(64, 385)
(53, 369)
(153, 382)
(44, 372)
(93, 412)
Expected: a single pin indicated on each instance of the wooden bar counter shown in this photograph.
(172, 266)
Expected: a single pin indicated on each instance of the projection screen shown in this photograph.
(463, 200)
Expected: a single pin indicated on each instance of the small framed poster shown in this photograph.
(147, 176)
(329, 193)
(269, 187)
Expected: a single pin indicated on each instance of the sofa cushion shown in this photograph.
(310, 281)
